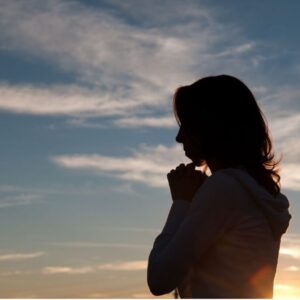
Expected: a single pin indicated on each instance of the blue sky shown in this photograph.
(88, 133)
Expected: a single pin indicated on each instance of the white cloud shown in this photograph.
(240, 49)
(292, 269)
(130, 68)
(90, 41)
(20, 256)
(286, 125)
(148, 165)
(125, 266)
(284, 129)
(113, 266)
(165, 122)
(62, 100)
(286, 291)
(290, 245)
(67, 270)
(290, 177)
(17, 200)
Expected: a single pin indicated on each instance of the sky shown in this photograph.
(88, 133)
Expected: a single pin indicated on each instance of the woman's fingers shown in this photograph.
(184, 181)
(180, 167)
(180, 170)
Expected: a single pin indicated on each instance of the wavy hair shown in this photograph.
(221, 113)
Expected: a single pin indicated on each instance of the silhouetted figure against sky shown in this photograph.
(222, 235)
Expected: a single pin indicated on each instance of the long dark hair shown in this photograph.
(222, 113)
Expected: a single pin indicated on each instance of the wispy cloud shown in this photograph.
(17, 200)
(148, 165)
(142, 295)
(129, 69)
(11, 196)
(15, 273)
(292, 269)
(124, 266)
(137, 265)
(99, 295)
(132, 229)
(290, 177)
(290, 245)
(286, 291)
(20, 256)
(285, 130)
(164, 122)
(69, 100)
(98, 245)
(67, 270)
(123, 69)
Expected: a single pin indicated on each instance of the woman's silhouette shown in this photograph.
(222, 235)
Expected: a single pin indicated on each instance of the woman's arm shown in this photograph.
(189, 231)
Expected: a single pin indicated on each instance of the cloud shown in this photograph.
(67, 270)
(148, 165)
(133, 229)
(292, 269)
(9, 189)
(164, 122)
(290, 177)
(16, 273)
(20, 256)
(113, 266)
(17, 200)
(62, 100)
(240, 49)
(285, 130)
(141, 295)
(123, 68)
(98, 245)
(286, 291)
(98, 295)
(93, 41)
(125, 266)
(290, 246)
(11, 196)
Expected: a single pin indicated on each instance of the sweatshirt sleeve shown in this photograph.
(189, 230)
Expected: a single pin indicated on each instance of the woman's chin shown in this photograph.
(199, 162)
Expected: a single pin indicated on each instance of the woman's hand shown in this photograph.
(184, 181)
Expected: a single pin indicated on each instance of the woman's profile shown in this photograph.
(222, 235)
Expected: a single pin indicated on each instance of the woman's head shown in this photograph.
(220, 121)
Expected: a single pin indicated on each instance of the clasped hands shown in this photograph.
(184, 181)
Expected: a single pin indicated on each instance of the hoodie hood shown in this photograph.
(275, 208)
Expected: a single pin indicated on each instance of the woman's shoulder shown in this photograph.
(221, 179)
(221, 184)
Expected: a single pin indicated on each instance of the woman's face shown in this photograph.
(191, 148)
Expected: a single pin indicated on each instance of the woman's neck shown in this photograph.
(215, 165)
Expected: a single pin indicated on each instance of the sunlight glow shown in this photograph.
(284, 291)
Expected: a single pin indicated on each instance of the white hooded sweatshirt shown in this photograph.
(224, 244)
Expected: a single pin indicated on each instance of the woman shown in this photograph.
(222, 236)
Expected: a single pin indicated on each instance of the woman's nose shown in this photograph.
(179, 137)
